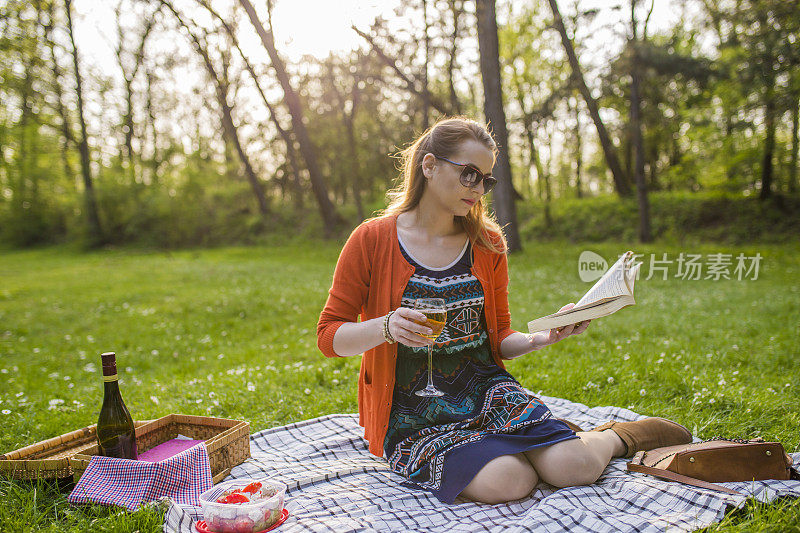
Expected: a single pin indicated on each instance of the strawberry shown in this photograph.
(252, 488)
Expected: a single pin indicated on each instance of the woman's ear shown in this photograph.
(428, 165)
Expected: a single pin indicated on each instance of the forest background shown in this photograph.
(185, 124)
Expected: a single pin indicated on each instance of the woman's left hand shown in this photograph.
(543, 339)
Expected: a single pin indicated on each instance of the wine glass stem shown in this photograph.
(430, 366)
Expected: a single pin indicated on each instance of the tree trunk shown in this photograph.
(455, 104)
(578, 151)
(330, 217)
(95, 233)
(636, 136)
(793, 185)
(620, 180)
(769, 143)
(66, 130)
(541, 177)
(349, 122)
(128, 129)
(426, 97)
(488, 46)
(154, 161)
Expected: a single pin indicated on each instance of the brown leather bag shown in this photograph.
(717, 460)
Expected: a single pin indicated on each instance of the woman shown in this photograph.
(485, 439)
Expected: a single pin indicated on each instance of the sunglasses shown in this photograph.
(471, 176)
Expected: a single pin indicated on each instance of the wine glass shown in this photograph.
(436, 315)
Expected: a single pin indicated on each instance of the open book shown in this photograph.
(611, 293)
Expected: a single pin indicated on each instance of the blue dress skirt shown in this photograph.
(441, 443)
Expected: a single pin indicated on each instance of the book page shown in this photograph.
(613, 283)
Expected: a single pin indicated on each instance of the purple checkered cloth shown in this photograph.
(111, 481)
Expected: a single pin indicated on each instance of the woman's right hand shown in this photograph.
(404, 327)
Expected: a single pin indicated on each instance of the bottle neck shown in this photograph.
(110, 386)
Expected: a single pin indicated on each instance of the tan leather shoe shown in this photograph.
(648, 433)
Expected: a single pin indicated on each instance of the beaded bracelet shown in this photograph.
(386, 335)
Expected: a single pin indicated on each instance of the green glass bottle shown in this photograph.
(116, 436)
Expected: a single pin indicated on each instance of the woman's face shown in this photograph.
(443, 177)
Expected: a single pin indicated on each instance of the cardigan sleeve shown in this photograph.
(501, 297)
(349, 290)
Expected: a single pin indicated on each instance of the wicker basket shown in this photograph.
(50, 458)
(227, 441)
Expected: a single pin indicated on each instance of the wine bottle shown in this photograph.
(116, 436)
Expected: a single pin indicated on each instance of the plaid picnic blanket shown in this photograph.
(336, 485)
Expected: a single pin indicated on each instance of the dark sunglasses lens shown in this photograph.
(468, 177)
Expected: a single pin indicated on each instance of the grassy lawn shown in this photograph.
(231, 333)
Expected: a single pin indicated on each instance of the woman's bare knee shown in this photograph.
(567, 464)
(503, 479)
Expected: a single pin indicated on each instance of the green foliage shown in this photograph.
(677, 217)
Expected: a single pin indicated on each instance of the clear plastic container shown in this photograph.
(242, 517)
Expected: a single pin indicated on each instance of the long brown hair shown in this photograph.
(444, 139)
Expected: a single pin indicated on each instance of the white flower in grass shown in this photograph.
(154, 352)
(335, 381)
(154, 399)
(610, 380)
(307, 391)
(642, 392)
(250, 386)
(337, 371)
(6, 411)
(3, 371)
(54, 403)
(712, 400)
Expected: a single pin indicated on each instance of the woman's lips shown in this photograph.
(468, 202)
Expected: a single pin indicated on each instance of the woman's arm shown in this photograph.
(354, 338)
(518, 344)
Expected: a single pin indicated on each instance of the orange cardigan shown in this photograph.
(370, 277)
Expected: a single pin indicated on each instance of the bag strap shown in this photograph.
(672, 476)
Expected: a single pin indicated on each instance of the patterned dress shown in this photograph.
(439, 444)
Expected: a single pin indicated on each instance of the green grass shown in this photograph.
(231, 333)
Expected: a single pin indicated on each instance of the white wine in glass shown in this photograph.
(436, 315)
